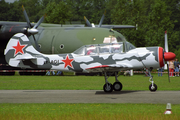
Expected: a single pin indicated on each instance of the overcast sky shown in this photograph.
(10, 1)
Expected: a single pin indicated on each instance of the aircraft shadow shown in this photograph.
(115, 92)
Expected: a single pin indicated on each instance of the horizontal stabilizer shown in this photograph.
(25, 57)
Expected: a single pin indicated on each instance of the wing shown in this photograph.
(25, 57)
(58, 25)
(112, 67)
(117, 26)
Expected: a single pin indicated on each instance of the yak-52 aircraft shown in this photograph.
(107, 57)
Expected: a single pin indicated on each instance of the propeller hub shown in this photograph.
(169, 56)
(33, 31)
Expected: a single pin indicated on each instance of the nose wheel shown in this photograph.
(152, 86)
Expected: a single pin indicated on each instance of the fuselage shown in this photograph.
(56, 40)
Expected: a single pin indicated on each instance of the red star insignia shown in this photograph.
(19, 48)
(68, 62)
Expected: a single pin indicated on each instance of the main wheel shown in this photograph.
(152, 88)
(108, 87)
(117, 86)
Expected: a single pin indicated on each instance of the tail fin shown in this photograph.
(19, 48)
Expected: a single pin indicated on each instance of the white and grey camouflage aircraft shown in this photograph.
(107, 57)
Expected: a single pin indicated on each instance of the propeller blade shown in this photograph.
(166, 42)
(26, 17)
(36, 44)
(167, 55)
(168, 72)
(102, 19)
(39, 22)
(87, 22)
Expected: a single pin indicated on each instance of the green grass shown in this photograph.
(136, 82)
(32, 111)
(87, 112)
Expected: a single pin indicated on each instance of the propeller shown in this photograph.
(92, 25)
(102, 19)
(166, 51)
(33, 30)
(107, 26)
(26, 17)
(87, 22)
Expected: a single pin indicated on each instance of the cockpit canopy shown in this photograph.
(106, 48)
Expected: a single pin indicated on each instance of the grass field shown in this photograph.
(65, 111)
(136, 82)
(87, 112)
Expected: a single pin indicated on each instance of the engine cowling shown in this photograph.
(154, 57)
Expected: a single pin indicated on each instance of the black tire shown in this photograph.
(152, 89)
(21, 73)
(109, 89)
(7, 73)
(25, 73)
(39, 73)
(10, 73)
(117, 86)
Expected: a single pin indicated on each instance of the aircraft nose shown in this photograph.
(169, 56)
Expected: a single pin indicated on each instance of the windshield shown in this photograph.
(111, 48)
(129, 46)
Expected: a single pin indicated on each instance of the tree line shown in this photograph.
(152, 17)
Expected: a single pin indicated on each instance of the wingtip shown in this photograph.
(84, 18)
(22, 7)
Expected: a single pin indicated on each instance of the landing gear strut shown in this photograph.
(108, 87)
(152, 86)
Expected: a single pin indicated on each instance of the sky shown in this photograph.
(10, 1)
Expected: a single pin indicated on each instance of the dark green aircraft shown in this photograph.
(55, 38)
